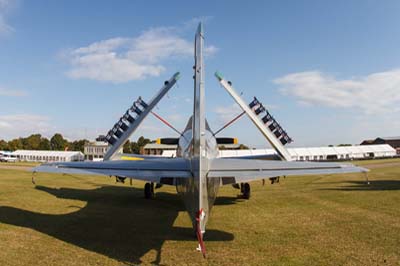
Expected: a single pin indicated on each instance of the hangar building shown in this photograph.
(392, 141)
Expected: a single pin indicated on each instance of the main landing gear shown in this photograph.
(244, 189)
(149, 190)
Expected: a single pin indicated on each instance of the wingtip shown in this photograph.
(364, 170)
(358, 168)
(44, 166)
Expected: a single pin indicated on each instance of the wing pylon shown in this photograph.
(267, 133)
(132, 119)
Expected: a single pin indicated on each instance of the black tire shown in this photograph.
(148, 191)
(246, 191)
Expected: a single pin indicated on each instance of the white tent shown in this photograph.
(48, 156)
(315, 153)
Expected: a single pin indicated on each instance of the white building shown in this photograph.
(323, 153)
(169, 150)
(158, 149)
(48, 156)
(95, 151)
(314, 153)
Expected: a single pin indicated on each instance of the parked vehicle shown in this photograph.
(8, 157)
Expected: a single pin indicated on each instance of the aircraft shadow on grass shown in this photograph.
(116, 221)
(374, 185)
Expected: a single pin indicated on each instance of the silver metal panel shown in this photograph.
(240, 164)
(248, 176)
(199, 161)
(276, 144)
(199, 120)
(132, 127)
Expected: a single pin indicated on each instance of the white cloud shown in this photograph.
(12, 93)
(5, 5)
(20, 125)
(227, 113)
(134, 58)
(4, 27)
(175, 117)
(194, 22)
(374, 93)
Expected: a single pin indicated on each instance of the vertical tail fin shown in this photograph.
(198, 106)
(199, 159)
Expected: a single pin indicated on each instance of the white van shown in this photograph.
(8, 157)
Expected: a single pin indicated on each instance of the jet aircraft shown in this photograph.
(197, 172)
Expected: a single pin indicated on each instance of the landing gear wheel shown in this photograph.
(149, 190)
(246, 190)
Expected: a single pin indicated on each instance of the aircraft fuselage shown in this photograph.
(198, 193)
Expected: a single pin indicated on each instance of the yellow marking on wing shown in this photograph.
(127, 158)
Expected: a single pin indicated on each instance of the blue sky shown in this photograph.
(328, 71)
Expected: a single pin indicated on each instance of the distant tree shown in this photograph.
(344, 145)
(15, 144)
(139, 144)
(3, 145)
(243, 147)
(32, 142)
(127, 147)
(143, 141)
(77, 145)
(44, 144)
(58, 143)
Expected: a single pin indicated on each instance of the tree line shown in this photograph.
(37, 142)
(135, 147)
(58, 143)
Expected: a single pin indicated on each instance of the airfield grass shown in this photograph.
(19, 164)
(309, 220)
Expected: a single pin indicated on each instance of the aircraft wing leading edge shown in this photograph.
(243, 170)
(160, 170)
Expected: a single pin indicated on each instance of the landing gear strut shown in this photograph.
(245, 189)
(149, 190)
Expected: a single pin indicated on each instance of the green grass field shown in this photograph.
(19, 164)
(310, 220)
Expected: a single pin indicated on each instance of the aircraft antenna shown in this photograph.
(229, 123)
(166, 123)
